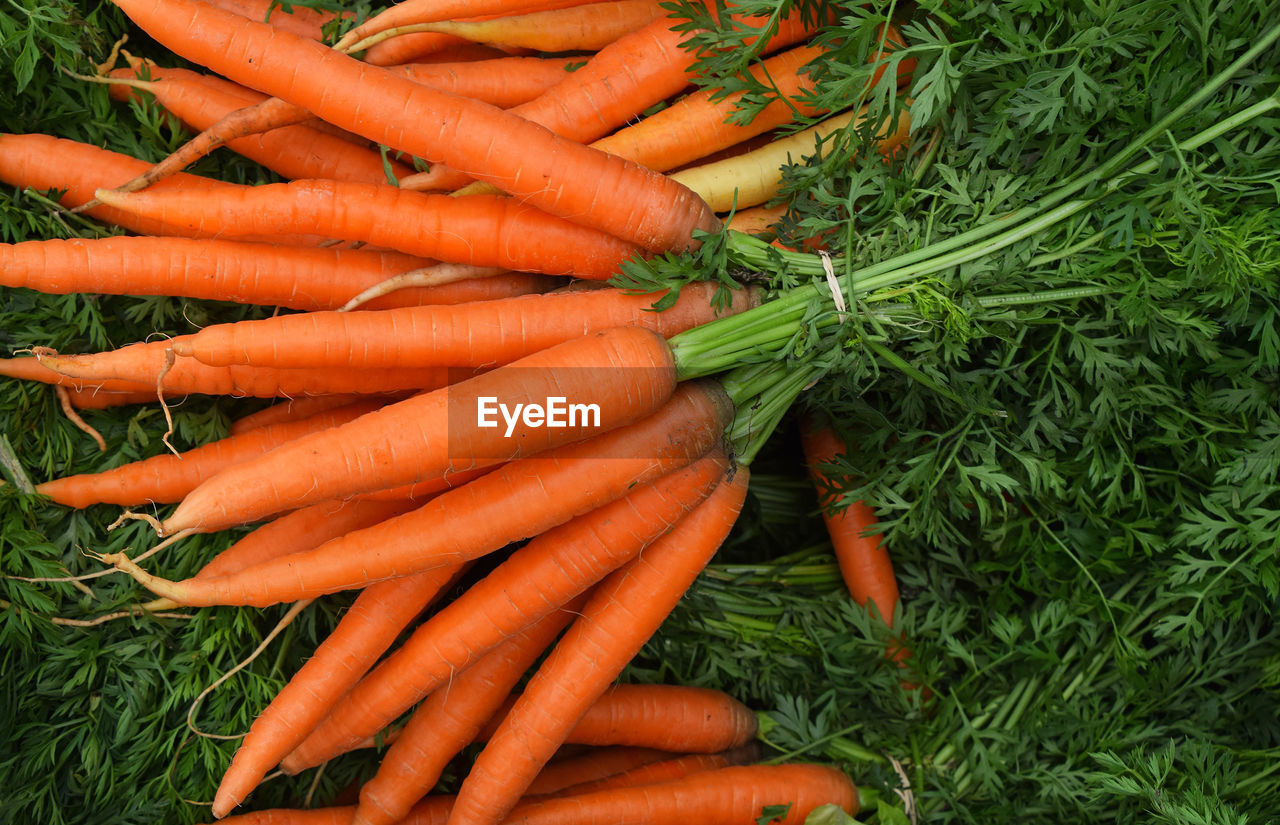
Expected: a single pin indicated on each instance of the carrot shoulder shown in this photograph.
(558, 176)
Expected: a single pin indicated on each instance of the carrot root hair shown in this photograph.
(428, 276)
(64, 401)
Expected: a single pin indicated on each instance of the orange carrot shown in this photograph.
(864, 561)
(298, 20)
(297, 151)
(539, 577)
(730, 796)
(483, 231)
(616, 84)
(292, 409)
(518, 500)
(167, 478)
(578, 28)
(665, 770)
(428, 47)
(377, 617)
(448, 720)
(503, 81)
(309, 278)
(92, 398)
(594, 765)
(624, 611)
(558, 176)
(668, 717)
(427, 11)
(434, 434)
(475, 334)
(138, 366)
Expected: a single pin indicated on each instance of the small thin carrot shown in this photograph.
(167, 478)
(546, 573)
(523, 498)
(668, 717)
(483, 231)
(477, 334)
(578, 28)
(427, 11)
(449, 719)
(502, 81)
(298, 20)
(377, 617)
(92, 398)
(624, 611)
(428, 47)
(528, 161)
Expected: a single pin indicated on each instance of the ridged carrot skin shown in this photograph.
(448, 721)
(167, 478)
(302, 530)
(730, 796)
(139, 366)
(518, 500)
(672, 718)
(482, 231)
(378, 615)
(477, 334)
(306, 278)
(624, 611)
(596, 765)
(429, 47)
(293, 152)
(666, 770)
(558, 176)
(502, 81)
(430, 11)
(547, 572)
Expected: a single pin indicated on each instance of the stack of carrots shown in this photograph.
(419, 303)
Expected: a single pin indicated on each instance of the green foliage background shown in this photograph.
(1089, 581)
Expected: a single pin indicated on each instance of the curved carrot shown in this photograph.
(539, 577)
(448, 720)
(292, 409)
(617, 84)
(483, 231)
(297, 151)
(427, 47)
(729, 796)
(167, 478)
(624, 611)
(478, 334)
(520, 499)
(667, 717)
(665, 770)
(435, 433)
(578, 28)
(375, 619)
(596, 765)
(558, 176)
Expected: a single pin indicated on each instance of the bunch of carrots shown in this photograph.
(423, 294)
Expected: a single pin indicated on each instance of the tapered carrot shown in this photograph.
(863, 560)
(297, 151)
(167, 478)
(578, 28)
(140, 365)
(377, 617)
(593, 766)
(502, 81)
(730, 796)
(95, 399)
(309, 278)
(292, 409)
(754, 177)
(448, 721)
(484, 231)
(617, 84)
(436, 433)
(298, 20)
(668, 717)
(757, 220)
(544, 574)
(478, 334)
(558, 176)
(427, 11)
(665, 770)
(428, 47)
(518, 500)
(624, 611)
